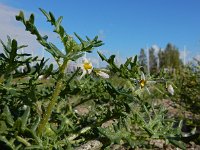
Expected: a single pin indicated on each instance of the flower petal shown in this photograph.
(142, 76)
(89, 70)
(148, 90)
(170, 89)
(86, 67)
(83, 74)
(103, 74)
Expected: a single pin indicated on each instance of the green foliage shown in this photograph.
(139, 127)
(44, 113)
(188, 82)
(11, 60)
(21, 87)
(143, 60)
(152, 61)
(170, 57)
(129, 69)
(73, 50)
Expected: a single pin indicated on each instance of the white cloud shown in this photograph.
(156, 48)
(9, 26)
(197, 57)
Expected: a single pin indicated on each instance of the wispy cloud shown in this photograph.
(9, 26)
(197, 57)
(156, 48)
(101, 34)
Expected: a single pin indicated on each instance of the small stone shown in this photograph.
(158, 143)
(91, 145)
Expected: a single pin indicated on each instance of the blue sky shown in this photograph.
(124, 26)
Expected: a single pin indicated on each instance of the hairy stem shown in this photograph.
(55, 95)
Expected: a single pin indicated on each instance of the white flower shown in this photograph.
(41, 77)
(170, 89)
(24, 107)
(142, 83)
(145, 83)
(76, 111)
(86, 67)
(102, 74)
(143, 80)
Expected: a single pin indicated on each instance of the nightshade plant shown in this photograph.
(44, 114)
(73, 51)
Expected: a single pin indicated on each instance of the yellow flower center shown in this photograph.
(87, 65)
(142, 83)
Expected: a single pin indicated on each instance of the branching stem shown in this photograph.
(54, 98)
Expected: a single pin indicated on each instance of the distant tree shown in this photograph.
(168, 58)
(161, 57)
(171, 57)
(143, 60)
(152, 61)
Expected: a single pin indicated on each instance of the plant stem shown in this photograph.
(22, 140)
(82, 131)
(54, 98)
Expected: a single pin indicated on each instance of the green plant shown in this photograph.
(44, 113)
(73, 51)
